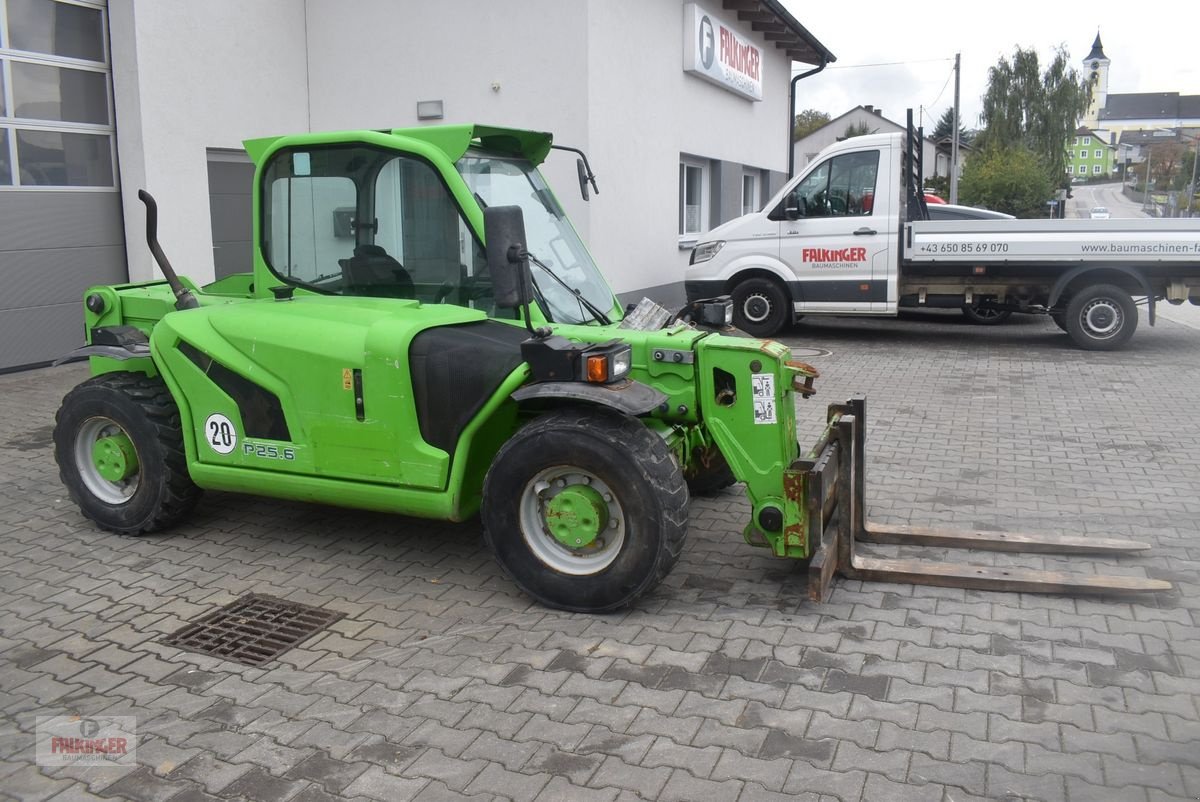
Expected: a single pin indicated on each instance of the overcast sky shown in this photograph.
(1152, 47)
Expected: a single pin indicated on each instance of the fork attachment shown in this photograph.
(833, 483)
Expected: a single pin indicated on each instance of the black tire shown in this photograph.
(710, 473)
(983, 315)
(158, 493)
(1101, 318)
(621, 459)
(760, 307)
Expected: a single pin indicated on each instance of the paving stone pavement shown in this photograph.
(444, 682)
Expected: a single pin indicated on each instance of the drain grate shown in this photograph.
(253, 630)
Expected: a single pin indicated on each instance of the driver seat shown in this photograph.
(371, 271)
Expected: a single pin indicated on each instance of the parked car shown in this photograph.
(950, 211)
(1099, 213)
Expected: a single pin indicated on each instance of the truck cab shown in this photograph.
(825, 243)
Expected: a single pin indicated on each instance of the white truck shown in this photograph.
(849, 236)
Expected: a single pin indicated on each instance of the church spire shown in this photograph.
(1097, 50)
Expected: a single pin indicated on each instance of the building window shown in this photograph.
(1087, 140)
(1074, 140)
(1083, 154)
(749, 194)
(693, 197)
(56, 118)
(1096, 170)
(1099, 154)
(1070, 169)
(56, 29)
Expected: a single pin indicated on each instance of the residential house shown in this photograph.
(1091, 154)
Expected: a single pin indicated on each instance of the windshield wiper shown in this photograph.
(584, 302)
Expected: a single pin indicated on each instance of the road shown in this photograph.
(1111, 197)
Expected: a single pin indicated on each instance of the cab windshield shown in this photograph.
(551, 239)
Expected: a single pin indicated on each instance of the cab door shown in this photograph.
(833, 239)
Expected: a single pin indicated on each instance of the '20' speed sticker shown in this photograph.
(220, 434)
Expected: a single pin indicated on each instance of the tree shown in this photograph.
(1034, 109)
(1007, 179)
(945, 128)
(858, 129)
(808, 121)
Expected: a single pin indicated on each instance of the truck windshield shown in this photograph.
(508, 181)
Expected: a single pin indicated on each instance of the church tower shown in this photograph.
(1095, 69)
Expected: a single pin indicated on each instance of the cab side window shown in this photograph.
(358, 220)
(843, 186)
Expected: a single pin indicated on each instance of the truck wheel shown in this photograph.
(983, 315)
(760, 307)
(585, 509)
(119, 448)
(1101, 317)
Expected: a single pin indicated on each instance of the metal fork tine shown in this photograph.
(997, 541)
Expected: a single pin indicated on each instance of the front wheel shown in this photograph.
(585, 509)
(1101, 318)
(119, 447)
(760, 307)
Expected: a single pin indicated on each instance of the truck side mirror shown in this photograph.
(508, 261)
(794, 206)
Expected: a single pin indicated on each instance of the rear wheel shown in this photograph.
(119, 447)
(760, 307)
(709, 472)
(983, 314)
(585, 509)
(1101, 317)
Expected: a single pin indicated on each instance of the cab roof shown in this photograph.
(453, 140)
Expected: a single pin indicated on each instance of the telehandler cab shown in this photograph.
(379, 356)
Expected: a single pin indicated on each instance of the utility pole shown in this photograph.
(1146, 188)
(1192, 186)
(954, 134)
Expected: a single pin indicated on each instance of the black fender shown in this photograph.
(110, 351)
(1066, 278)
(630, 397)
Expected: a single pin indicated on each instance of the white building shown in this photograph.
(871, 120)
(682, 109)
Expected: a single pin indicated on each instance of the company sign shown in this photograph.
(717, 53)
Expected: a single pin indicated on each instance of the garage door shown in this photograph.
(60, 211)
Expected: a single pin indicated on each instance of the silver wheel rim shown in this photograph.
(754, 301)
(1102, 318)
(538, 492)
(986, 312)
(114, 493)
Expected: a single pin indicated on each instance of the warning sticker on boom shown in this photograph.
(762, 387)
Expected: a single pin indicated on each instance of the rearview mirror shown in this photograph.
(583, 178)
(794, 206)
(508, 261)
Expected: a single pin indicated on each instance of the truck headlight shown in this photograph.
(706, 250)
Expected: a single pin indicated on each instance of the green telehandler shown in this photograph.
(424, 333)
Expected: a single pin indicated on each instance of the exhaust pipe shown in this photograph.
(183, 296)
